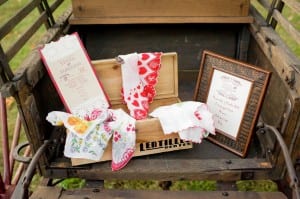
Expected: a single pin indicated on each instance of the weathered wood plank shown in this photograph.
(55, 5)
(265, 4)
(162, 8)
(135, 20)
(2, 2)
(284, 61)
(289, 28)
(53, 192)
(273, 98)
(14, 49)
(188, 40)
(259, 20)
(5, 70)
(36, 130)
(44, 192)
(293, 4)
(33, 64)
(163, 167)
(11, 23)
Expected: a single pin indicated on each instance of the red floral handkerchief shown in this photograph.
(139, 76)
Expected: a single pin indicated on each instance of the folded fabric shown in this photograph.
(192, 120)
(139, 77)
(88, 138)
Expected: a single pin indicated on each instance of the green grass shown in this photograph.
(193, 185)
(292, 17)
(257, 185)
(7, 10)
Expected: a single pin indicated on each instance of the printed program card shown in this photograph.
(227, 99)
(70, 69)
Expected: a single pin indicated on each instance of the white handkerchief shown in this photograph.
(192, 120)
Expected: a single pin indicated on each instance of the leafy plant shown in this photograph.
(72, 183)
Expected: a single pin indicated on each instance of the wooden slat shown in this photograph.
(284, 61)
(5, 70)
(32, 63)
(47, 192)
(150, 20)
(13, 50)
(287, 26)
(55, 193)
(293, 4)
(35, 71)
(162, 8)
(259, 20)
(145, 168)
(55, 5)
(265, 4)
(11, 23)
(2, 2)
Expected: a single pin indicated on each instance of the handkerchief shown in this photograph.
(124, 137)
(192, 120)
(139, 77)
(88, 138)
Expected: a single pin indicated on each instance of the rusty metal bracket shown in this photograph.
(288, 161)
(267, 142)
(17, 151)
(266, 138)
(286, 116)
(21, 190)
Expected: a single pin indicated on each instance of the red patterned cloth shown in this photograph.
(139, 76)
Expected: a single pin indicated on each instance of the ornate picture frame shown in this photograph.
(234, 92)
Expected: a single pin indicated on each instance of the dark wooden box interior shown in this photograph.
(205, 160)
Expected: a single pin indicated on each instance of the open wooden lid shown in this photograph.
(109, 73)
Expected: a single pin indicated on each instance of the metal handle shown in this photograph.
(288, 161)
(17, 151)
(21, 190)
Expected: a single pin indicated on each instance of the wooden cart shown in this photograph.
(239, 32)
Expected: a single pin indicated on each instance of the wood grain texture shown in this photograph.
(164, 8)
(289, 28)
(150, 137)
(159, 20)
(53, 192)
(160, 11)
(109, 73)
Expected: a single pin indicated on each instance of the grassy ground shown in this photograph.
(8, 9)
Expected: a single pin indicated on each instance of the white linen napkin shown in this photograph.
(192, 120)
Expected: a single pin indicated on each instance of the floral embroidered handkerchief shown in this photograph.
(88, 138)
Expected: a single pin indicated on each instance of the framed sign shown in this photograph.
(234, 92)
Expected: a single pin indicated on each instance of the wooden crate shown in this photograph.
(159, 11)
(150, 138)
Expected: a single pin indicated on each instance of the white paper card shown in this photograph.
(70, 69)
(227, 99)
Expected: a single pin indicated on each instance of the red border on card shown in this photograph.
(54, 82)
(93, 69)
